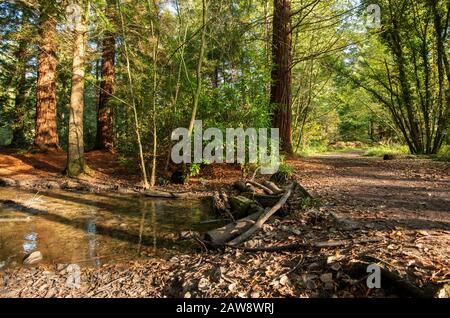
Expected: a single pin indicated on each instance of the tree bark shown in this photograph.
(76, 164)
(21, 96)
(443, 68)
(46, 136)
(105, 114)
(280, 94)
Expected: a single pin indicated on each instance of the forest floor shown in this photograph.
(403, 202)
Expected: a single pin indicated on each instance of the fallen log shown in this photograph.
(221, 205)
(163, 194)
(240, 204)
(263, 218)
(265, 200)
(242, 187)
(220, 236)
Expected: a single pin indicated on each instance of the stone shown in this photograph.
(284, 280)
(33, 258)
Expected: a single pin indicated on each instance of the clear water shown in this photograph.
(93, 229)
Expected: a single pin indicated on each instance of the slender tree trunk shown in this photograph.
(76, 164)
(46, 136)
(133, 102)
(199, 69)
(280, 95)
(105, 115)
(155, 35)
(267, 47)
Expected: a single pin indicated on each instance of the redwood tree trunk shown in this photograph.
(75, 153)
(105, 133)
(280, 93)
(46, 135)
(21, 96)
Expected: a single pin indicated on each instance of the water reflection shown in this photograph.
(30, 242)
(141, 227)
(92, 229)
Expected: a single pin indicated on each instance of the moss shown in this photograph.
(76, 167)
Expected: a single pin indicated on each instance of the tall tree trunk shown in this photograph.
(105, 116)
(21, 96)
(443, 112)
(46, 135)
(280, 94)
(75, 153)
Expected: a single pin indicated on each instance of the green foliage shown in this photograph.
(444, 154)
(194, 169)
(388, 149)
(337, 67)
(127, 163)
(310, 150)
(284, 173)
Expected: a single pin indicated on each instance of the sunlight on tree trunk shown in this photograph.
(155, 84)
(280, 95)
(76, 163)
(105, 133)
(46, 136)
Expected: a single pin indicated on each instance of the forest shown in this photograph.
(92, 93)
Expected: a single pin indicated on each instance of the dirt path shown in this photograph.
(413, 193)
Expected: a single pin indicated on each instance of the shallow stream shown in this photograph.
(93, 229)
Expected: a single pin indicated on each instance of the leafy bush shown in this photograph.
(381, 150)
(284, 173)
(444, 154)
